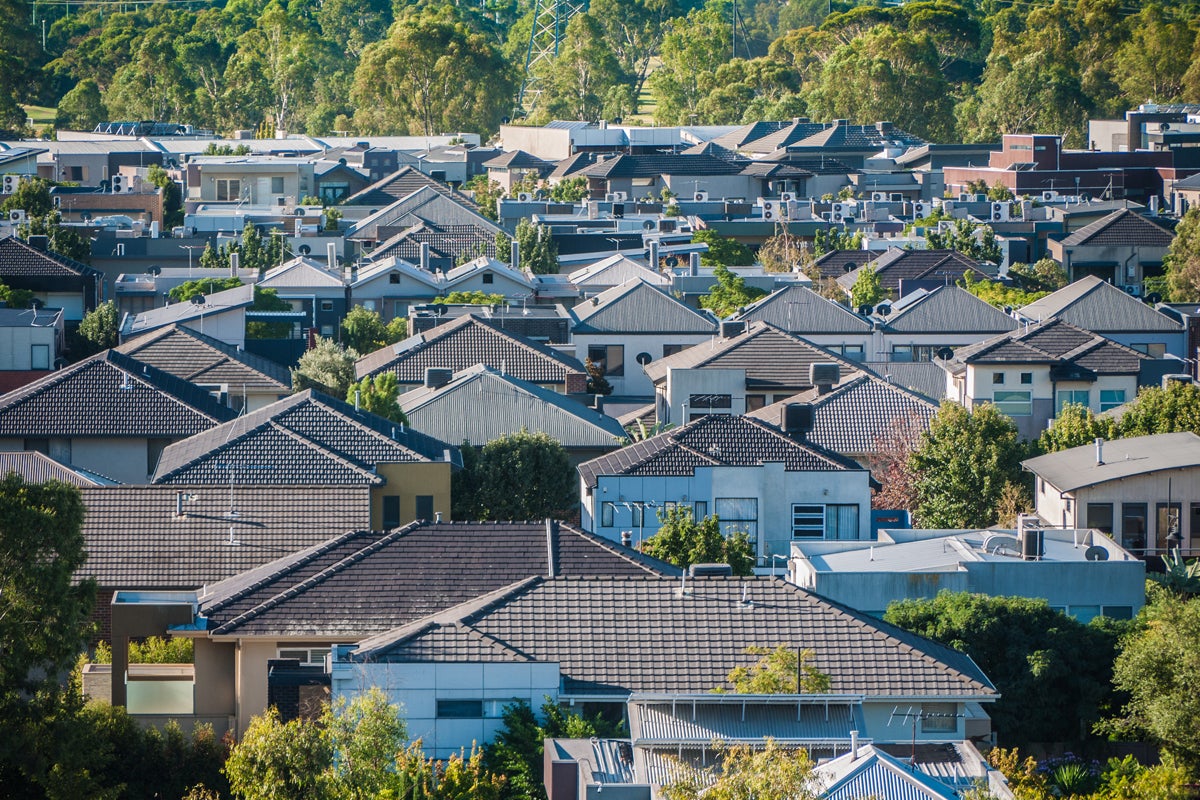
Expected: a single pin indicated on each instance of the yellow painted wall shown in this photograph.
(408, 480)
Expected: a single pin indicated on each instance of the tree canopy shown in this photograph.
(521, 475)
(326, 367)
(683, 541)
(729, 293)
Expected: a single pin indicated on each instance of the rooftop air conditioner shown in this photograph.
(11, 182)
(619, 197)
(1000, 212)
(526, 197)
(118, 183)
(922, 209)
(16, 216)
(879, 197)
(770, 214)
(1048, 196)
(787, 197)
(700, 197)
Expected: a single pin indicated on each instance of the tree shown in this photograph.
(539, 251)
(1163, 410)
(326, 367)
(365, 734)
(729, 293)
(64, 240)
(746, 773)
(81, 109)
(693, 47)
(99, 327)
(682, 541)
(172, 195)
(475, 298)
(596, 383)
(198, 287)
(969, 238)
(485, 194)
(777, 672)
(1151, 63)
(32, 196)
(1157, 667)
(998, 294)
(1053, 672)
(783, 252)
(1182, 260)
(363, 330)
(580, 77)
(432, 73)
(378, 396)
(962, 465)
(1046, 275)
(519, 475)
(722, 251)
(268, 300)
(1075, 425)
(461, 776)
(892, 464)
(866, 290)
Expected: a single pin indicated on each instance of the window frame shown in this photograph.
(1005, 405)
(1108, 405)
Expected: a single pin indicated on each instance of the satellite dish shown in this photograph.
(154, 269)
(865, 310)
(305, 249)
(883, 309)
(644, 358)
(849, 267)
(1154, 298)
(945, 353)
(1165, 126)
(1095, 553)
(671, 261)
(648, 225)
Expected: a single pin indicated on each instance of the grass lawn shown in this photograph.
(40, 115)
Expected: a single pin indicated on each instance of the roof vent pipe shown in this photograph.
(331, 255)
(425, 256)
(853, 745)
(1099, 452)
(234, 263)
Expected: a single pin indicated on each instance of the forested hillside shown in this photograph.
(943, 70)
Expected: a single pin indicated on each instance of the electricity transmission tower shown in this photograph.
(550, 18)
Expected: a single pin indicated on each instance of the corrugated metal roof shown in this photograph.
(1094, 304)
(700, 723)
(948, 309)
(877, 775)
(638, 307)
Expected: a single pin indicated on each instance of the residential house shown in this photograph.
(109, 414)
(545, 324)
(836, 263)
(489, 276)
(136, 292)
(1031, 373)
(1188, 190)
(19, 160)
(903, 271)
(220, 315)
(471, 340)
(55, 280)
(512, 167)
(858, 416)
(599, 639)
(141, 202)
(316, 290)
(396, 186)
(925, 322)
(767, 481)
(1094, 304)
(1123, 248)
(391, 286)
(314, 440)
(429, 227)
(1134, 489)
(631, 178)
(250, 180)
(355, 585)
(32, 342)
(799, 310)
(624, 329)
(336, 181)
(1083, 573)
(246, 381)
(741, 372)
(614, 271)
(35, 467)
(479, 404)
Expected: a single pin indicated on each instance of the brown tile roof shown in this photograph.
(1122, 228)
(1054, 342)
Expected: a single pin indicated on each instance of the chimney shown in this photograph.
(654, 256)
(1099, 452)
(425, 256)
(883, 127)
(693, 264)
(234, 261)
(854, 745)
(515, 258)
(331, 256)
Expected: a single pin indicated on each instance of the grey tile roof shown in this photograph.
(944, 266)
(859, 137)
(614, 271)
(639, 633)
(400, 184)
(1056, 343)
(638, 307)
(924, 378)
(109, 395)
(201, 359)
(38, 468)
(18, 259)
(857, 414)
(307, 438)
(445, 242)
(364, 583)
(748, 133)
(798, 309)
(833, 264)
(482, 404)
(650, 166)
(465, 342)
(1122, 228)
(517, 159)
(947, 309)
(772, 358)
(714, 440)
(789, 133)
(135, 540)
(1094, 304)
(426, 205)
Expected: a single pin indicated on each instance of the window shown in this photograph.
(39, 356)
(1133, 526)
(854, 352)
(701, 404)
(672, 349)
(425, 506)
(939, 718)
(327, 305)
(307, 656)
(1152, 349)
(1100, 516)
(37, 446)
(1168, 520)
(997, 378)
(668, 506)
(755, 401)
(1027, 378)
(906, 353)
(229, 189)
(700, 509)
(1117, 612)
(489, 277)
(394, 277)
(277, 185)
(638, 514)
(1066, 397)
(608, 358)
(841, 521)
(739, 514)
(391, 511)
(808, 522)
(1014, 404)
(1111, 398)
(607, 511)
(460, 709)
(327, 330)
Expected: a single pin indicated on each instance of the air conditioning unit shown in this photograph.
(1133, 290)
(787, 197)
(619, 197)
(526, 197)
(922, 209)
(11, 182)
(768, 206)
(879, 197)
(17, 216)
(965, 198)
(1049, 196)
(1000, 212)
(770, 214)
(700, 197)
(118, 183)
